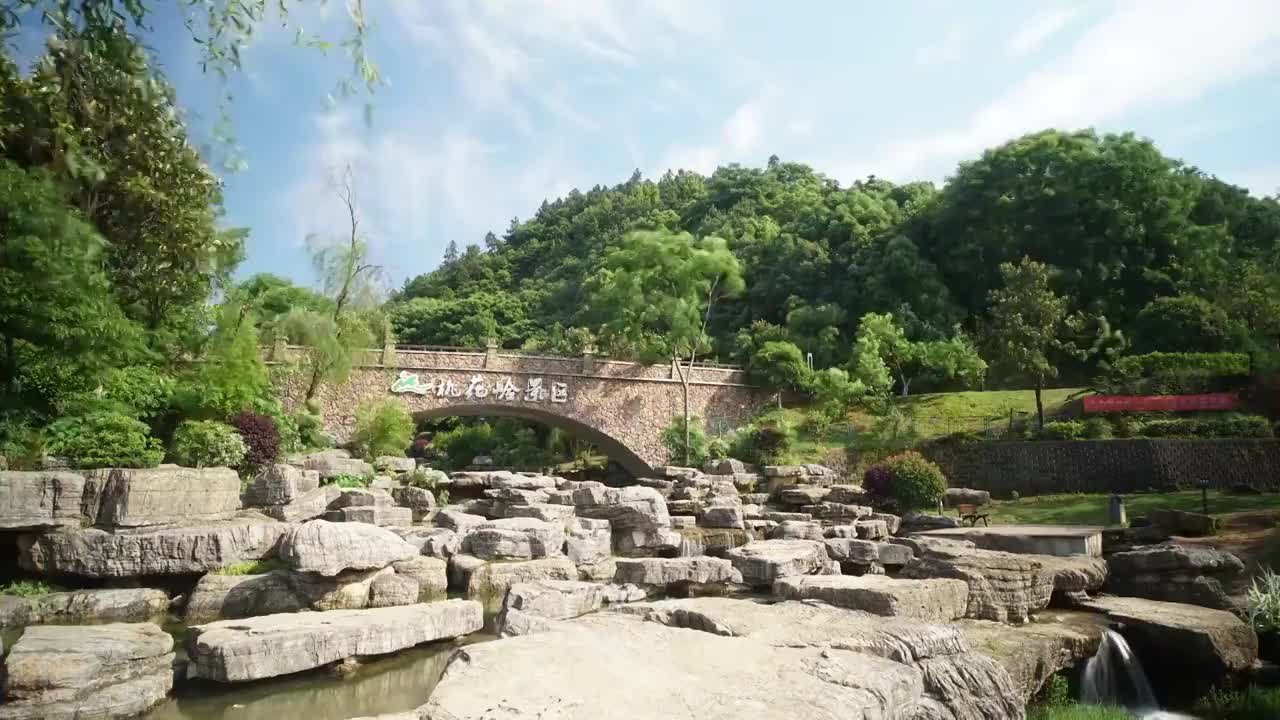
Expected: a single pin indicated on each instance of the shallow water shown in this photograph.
(397, 683)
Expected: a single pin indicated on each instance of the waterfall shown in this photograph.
(1114, 677)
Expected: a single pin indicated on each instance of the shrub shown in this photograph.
(816, 424)
(456, 448)
(104, 440)
(718, 448)
(1160, 373)
(915, 482)
(767, 442)
(310, 426)
(1253, 703)
(1127, 426)
(140, 390)
(28, 588)
(383, 428)
(779, 366)
(1062, 430)
(1262, 602)
(1096, 428)
(877, 480)
(207, 443)
(433, 480)
(261, 438)
(349, 481)
(673, 438)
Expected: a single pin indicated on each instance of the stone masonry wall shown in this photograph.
(1099, 466)
(623, 407)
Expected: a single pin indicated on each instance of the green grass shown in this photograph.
(1077, 712)
(1252, 704)
(1092, 509)
(250, 567)
(349, 481)
(28, 588)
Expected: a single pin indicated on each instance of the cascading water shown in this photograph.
(1114, 677)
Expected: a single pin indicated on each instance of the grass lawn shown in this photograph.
(938, 414)
(1092, 509)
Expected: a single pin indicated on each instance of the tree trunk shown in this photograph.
(684, 385)
(1040, 402)
(314, 384)
(906, 383)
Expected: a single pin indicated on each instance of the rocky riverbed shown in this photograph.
(720, 592)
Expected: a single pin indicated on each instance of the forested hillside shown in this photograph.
(1148, 249)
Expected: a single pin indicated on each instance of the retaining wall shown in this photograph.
(1042, 467)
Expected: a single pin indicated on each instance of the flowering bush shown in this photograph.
(261, 439)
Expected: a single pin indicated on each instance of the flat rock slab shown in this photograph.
(1060, 540)
(327, 548)
(271, 645)
(69, 672)
(128, 497)
(660, 572)
(527, 606)
(1202, 641)
(613, 667)
(1003, 587)
(39, 499)
(938, 600)
(1176, 572)
(126, 605)
(180, 550)
(489, 582)
(763, 561)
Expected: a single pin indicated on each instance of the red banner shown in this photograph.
(1159, 403)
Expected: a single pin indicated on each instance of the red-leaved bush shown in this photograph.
(260, 436)
(877, 480)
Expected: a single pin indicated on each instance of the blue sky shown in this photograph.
(493, 107)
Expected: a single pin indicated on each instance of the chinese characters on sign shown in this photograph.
(1159, 403)
(477, 388)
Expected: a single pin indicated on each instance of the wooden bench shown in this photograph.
(969, 514)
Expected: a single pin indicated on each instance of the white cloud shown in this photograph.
(1143, 56)
(739, 136)
(1043, 26)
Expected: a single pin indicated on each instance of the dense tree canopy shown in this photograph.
(1122, 224)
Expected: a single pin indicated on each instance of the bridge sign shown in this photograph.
(478, 388)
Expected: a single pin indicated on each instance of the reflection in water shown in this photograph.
(394, 684)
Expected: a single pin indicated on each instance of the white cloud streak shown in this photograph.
(1039, 30)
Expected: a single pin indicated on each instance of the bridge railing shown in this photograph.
(493, 358)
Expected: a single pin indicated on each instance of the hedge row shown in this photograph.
(1176, 374)
(1229, 425)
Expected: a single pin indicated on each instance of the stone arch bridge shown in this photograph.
(622, 407)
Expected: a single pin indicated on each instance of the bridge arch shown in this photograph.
(623, 407)
(616, 450)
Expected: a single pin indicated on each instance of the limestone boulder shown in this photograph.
(918, 522)
(421, 501)
(1002, 586)
(394, 465)
(326, 548)
(515, 539)
(871, 529)
(431, 541)
(726, 466)
(796, 530)
(379, 515)
(431, 575)
(39, 499)
(280, 484)
(719, 516)
(69, 672)
(781, 517)
(348, 590)
(1176, 572)
(273, 645)
(846, 495)
(458, 522)
(803, 495)
(181, 550)
(588, 544)
(1033, 652)
(308, 506)
(891, 521)
(124, 605)
(392, 589)
(1182, 523)
(142, 497)
(664, 572)
(332, 463)
(1076, 573)
(489, 582)
(837, 511)
(852, 550)
(1188, 645)
(937, 600)
(763, 561)
(715, 542)
(527, 606)
(218, 597)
